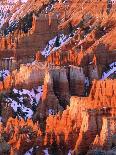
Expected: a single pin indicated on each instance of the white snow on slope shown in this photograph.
(16, 14)
(4, 13)
(112, 64)
(63, 39)
(69, 153)
(15, 105)
(49, 47)
(11, 11)
(29, 152)
(4, 74)
(46, 151)
(110, 71)
(15, 1)
(31, 93)
(18, 101)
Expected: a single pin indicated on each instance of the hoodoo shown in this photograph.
(58, 77)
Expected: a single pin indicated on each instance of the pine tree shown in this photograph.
(57, 42)
(54, 148)
(71, 29)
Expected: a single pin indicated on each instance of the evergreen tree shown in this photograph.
(57, 42)
(54, 148)
(70, 29)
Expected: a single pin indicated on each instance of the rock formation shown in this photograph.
(61, 85)
(28, 76)
(77, 81)
(84, 122)
(57, 98)
(49, 104)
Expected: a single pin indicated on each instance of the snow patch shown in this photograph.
(69, 153)
(0, 118)
(24, 101)
(110, 71)
(63, 39)
(29, 152)
(51, 112)
(46, 151)
(4, 74)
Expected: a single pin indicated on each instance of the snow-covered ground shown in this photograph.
(11, 11)
(63, 39)
(4, 74)
(14, 1)
(87, 82)
(69, 153)
(110, 71)
(4, 13)
(29, 152)
(46, 151)
(51, 112)
(24, 101)
(112, 64)
(17, 13)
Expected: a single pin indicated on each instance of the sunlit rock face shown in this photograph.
(28, 76)
(85, 122)
(49, 103)
(77, 80)
(57, 78)
(66, 81)
(61, 85)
